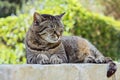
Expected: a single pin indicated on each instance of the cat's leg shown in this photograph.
(93, 55)
(94, 52)
(89, 59)
(112, 67)
(99, 58)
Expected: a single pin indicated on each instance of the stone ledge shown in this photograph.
(57, 72)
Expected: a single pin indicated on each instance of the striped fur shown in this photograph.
(46, 45)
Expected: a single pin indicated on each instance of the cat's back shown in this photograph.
(69, 40)
(73, 41)
(74, 46)
(70, 43)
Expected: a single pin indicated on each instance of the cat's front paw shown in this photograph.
(89, 59)
(100, 60)
(55, 60)
(42, 59)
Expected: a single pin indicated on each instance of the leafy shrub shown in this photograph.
(12, 35)
(101, 31)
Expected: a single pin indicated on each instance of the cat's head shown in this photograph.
(48, 27)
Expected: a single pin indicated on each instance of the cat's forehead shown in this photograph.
(52, 20)
(49, 17)
(54, 23)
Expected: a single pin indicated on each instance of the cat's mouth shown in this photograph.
(51, 38)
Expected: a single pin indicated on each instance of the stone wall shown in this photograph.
(57, 72)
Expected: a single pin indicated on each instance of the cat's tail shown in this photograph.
(112, 68)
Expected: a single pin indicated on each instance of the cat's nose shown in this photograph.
(57, 33)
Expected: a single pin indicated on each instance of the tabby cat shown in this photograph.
(46, 45)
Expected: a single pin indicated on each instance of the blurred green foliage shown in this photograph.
(12, 35)
(9, 7)
(102, 31)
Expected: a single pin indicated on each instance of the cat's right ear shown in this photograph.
(37, 18)
(60, 16)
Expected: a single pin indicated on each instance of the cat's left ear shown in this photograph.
(60, 16)
(38, 18)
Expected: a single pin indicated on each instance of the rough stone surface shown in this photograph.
(57, 72)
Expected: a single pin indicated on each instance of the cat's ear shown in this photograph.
(60, 16)
(37, 17)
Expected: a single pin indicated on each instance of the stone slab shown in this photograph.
(57, 72)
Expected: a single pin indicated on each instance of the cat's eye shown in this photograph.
(36, 23)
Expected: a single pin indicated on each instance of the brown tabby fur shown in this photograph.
(46, 45)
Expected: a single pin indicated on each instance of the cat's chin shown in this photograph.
(51, 40)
